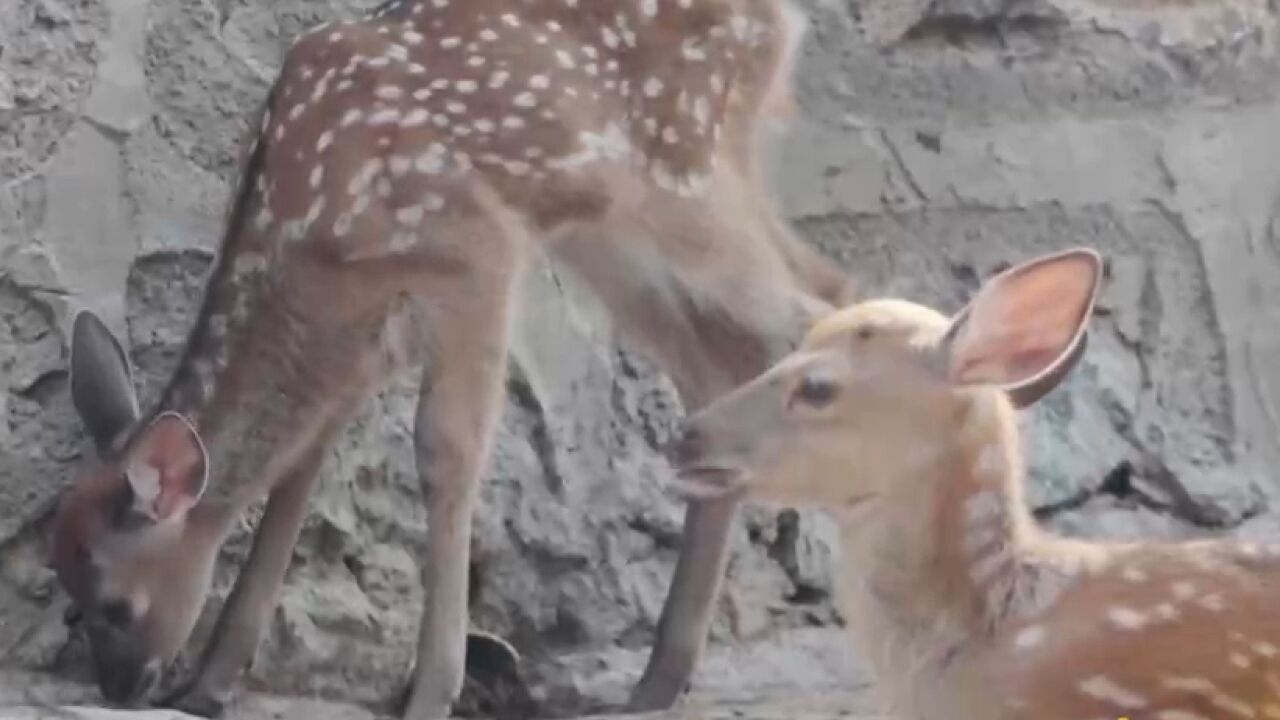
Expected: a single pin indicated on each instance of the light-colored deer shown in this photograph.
(401, 167)
(902, 423)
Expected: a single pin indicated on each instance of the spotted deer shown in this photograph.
(394, 183)
(901, 422)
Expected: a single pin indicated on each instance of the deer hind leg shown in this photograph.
(458, 408)
(252, 601)
(687, 613)
(709, 292)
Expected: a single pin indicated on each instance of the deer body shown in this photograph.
(397, 174)
(902, 422)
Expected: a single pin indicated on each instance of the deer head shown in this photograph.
(122, 543)
(880, 388)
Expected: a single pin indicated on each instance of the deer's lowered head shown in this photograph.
(123, 542)
(880, 389)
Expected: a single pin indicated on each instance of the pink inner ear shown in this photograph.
(1024, 321)
(172, 500)
(171, 448)
(1005, 357)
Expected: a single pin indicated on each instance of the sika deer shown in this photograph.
(400, 167)
(901, 422)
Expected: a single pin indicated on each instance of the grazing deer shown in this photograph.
(393, 182)
(901, 422)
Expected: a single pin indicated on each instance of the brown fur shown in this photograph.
(403, 165)
(967, 609)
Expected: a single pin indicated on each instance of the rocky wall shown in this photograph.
(937, 142)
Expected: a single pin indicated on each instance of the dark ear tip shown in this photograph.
(86, 320)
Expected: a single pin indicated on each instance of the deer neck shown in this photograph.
(933, 567)
(261, 375)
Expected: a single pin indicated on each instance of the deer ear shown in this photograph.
(101, 382)
(167, 468)
(1025, 329)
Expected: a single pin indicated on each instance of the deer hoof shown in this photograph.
(196, 701)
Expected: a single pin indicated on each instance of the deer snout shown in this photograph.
(701, 472)
(125, 673)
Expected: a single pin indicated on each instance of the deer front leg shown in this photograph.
(686, 616)
(239, 627)
(459, 406)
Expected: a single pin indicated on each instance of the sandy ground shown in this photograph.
(31, 696)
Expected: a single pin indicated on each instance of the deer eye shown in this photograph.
(815, 391)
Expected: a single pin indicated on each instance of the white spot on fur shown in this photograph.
(1100, 687)
(351, 117)
(313, 212)
(410, 216)
(384, 117)
(1183, 590)
(1029, 637)
(1197, 685)
(399, 165)
(1212, 602)
(431, 162)
(1126, 618)
(360, 181)
(612, 143)
(415, 118)
(1133, 575)
(342, 225)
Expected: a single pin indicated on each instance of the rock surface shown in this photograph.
(938, 141)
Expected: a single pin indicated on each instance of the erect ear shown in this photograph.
(1025, 329)
(167, 468)
(101, 382)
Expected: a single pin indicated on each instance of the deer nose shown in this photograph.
(688, 445)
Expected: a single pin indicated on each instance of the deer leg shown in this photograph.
(686, 616)
(459, 406)
(729, 312)
(252, 601)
